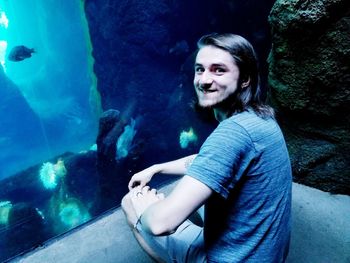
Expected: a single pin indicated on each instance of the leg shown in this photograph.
(185, 245)
(197, 217)
(131, 219)
(128, 210)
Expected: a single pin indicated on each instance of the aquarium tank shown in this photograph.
(92, 92)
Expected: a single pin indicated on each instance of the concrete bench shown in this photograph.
(320, 233)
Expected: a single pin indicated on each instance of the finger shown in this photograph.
(142, 184)
(154, 191)
(145, 189)
(132, 183)
(161, 196)
(135, 190)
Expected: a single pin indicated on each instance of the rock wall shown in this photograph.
(309, 76)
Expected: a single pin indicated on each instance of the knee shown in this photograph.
(126, 203)
(128, 210)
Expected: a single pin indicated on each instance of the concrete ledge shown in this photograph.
(320, 226)
(321, 233)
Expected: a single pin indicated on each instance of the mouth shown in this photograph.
(205, 91)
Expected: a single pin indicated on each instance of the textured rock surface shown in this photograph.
(112, 186)
(309, 74)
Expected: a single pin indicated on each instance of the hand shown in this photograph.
(142, 198)
(142, 178)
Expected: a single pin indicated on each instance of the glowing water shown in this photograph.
(58, 81)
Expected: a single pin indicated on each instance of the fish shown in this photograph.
(19, 53)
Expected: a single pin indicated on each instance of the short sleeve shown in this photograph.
(223, 158)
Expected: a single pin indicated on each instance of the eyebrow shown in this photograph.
(219, 65)
(212, 65)
(215, 64)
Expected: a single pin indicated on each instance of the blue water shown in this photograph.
(48, 107)
(56, 83)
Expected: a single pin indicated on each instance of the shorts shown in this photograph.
(186, 244)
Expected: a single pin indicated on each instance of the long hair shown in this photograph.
(248, 97)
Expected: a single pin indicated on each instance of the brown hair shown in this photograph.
(246, 60)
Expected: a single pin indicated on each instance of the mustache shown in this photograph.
(204, 87)
(228, 103)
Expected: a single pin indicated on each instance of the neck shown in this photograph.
(220, 114)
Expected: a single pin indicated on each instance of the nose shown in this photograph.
(205, 78)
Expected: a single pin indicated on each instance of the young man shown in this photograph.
(241, 174)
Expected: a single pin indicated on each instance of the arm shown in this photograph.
(163, 215)
(177, 167)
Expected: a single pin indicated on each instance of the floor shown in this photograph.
(320, 233)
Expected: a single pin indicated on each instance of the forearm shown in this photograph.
(176, 167)
(164, 216)
(152, 222)
(161, 218)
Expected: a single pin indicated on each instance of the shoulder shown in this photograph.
(232, 136)
(249, 119)
(229, 132)
(254, 125)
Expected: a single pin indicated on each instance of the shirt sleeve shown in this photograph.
(224, 158)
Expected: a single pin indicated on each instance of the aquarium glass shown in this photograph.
(48, 108)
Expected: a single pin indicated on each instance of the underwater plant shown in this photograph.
(187, 137)
(50, 173)
(65, 211)
(72, 213)
(124, 142)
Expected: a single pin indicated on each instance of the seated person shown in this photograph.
(242, 173)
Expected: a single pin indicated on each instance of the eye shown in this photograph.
(219, 70)
(199, 69)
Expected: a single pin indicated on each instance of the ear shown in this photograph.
(245, 83)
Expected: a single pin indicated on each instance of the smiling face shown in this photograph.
(216, 76)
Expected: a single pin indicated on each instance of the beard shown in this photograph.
(227, 104)
(206, 113)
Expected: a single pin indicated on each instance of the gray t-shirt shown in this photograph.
(246, 163)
